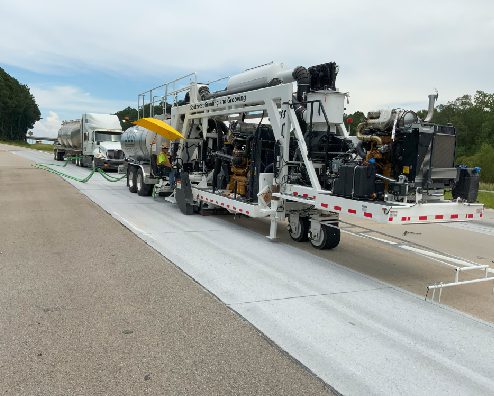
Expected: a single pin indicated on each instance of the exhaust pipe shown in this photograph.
(430, 111)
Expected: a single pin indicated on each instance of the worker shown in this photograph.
(164, 164)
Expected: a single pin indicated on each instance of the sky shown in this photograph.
(96, 56)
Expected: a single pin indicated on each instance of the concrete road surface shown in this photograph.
(359, 334)
(87, 308)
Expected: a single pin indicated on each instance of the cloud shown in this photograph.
(48, 126)
(388, 51)
(70, 99)
(66, 102)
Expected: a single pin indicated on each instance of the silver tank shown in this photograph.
(69, 134)
(136, 143)
(259, 77)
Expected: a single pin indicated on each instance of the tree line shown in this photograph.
(18, 108)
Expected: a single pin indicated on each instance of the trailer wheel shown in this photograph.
(329, 237)
(131, 179)
(301, 232)
(143, 189)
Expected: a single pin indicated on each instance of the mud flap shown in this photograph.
(183, 194)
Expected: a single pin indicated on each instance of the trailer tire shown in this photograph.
(143, 189)
(329, 237)
(302, 233)
(131, 179)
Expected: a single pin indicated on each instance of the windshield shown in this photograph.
(107, 136)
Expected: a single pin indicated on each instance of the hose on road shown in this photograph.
(106, 176)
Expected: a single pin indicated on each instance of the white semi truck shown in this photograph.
(93, 140)
(297, 161)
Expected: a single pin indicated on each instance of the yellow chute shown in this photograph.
(159, 127)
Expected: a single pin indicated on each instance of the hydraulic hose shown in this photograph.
(302, 77)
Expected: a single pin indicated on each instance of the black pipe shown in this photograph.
(302, 77)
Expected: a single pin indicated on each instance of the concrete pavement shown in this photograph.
(87, 308)
(360, 335)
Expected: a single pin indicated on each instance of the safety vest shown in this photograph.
(162, 159)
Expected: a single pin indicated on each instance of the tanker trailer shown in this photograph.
(94, 140)
(141, 148)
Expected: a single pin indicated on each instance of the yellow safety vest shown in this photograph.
(162, 159)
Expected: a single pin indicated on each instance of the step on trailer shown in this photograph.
(259, 148)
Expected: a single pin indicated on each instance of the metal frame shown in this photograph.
(276, 102)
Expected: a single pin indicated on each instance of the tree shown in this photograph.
(18, 108)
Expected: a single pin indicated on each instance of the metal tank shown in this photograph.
(69, 134)
(136, 143)
(259, 77)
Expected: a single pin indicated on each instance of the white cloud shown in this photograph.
(48, 126)
(65, 102)
(389, 51)
(70, 99)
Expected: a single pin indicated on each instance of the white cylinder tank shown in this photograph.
(259, 77)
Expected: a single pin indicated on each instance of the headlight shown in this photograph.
(99, 155)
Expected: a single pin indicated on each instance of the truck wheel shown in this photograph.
(143, 189)
(131, 179)
(301, 232)
(329, 237)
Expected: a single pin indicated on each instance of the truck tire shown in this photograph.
(131, 179)
(329, 237)
(143, 189)
(302, 233)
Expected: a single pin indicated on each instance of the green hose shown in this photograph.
(48, 168)
(57, 172)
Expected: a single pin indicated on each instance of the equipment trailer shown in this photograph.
(304, 166)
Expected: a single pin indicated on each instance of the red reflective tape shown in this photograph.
(390, 218)
(247, 212)
(481, 214)
(439, 217)
(337, 207)
(367, 214)
(227, 206)
(295, 193)
(240, 210)
(352, 211)
(454, 216)
(404, 219)
(324, 205)
(305, 195)
(222, 204)
(469, 216)
(422, 218)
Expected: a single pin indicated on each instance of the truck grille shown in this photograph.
(115, 154)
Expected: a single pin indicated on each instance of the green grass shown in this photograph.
(484, 197)
(487, 186)
(44, 147)
(487, 198)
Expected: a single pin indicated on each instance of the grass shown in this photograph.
(40, 146)
(487, 186)
(484, 197)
